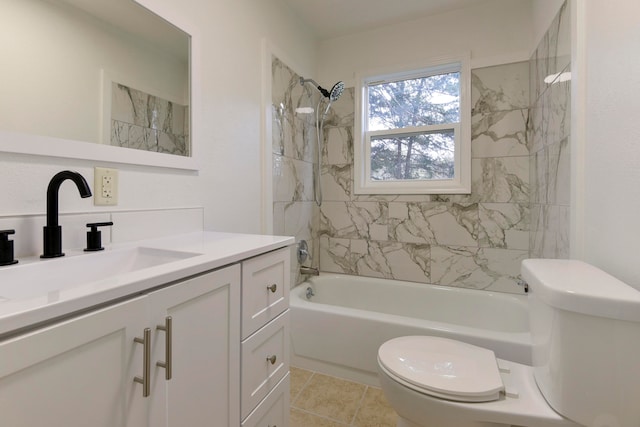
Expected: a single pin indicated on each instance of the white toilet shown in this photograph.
(585, 330)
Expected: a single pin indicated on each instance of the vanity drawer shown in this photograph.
(265, 289)
(273, 411)
(264, 362)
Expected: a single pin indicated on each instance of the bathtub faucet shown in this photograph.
(309, 293)
(309, 271)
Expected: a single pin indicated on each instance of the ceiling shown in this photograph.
(334, 18)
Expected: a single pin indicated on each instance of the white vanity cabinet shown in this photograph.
(76, 373)
(264, 397)
(80, 372)
(274, 409)
(204, 351)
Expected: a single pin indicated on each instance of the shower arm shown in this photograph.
(322, 90)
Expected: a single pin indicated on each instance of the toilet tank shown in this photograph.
(585, 330)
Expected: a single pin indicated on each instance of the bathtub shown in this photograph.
(339, 329)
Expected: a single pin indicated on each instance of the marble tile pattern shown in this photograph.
(518, 206)
(476, 240)
(319, 400)
(295, 212)
(549, 141)
(147, 122)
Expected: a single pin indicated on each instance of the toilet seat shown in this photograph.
(443, 368)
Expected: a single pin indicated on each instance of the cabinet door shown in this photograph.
(266, 280)
(76, 373)
(204, 385)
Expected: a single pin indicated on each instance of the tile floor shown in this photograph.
(318, 400)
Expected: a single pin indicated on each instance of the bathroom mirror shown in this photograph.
(98, 80)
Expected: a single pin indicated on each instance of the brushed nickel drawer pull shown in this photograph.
(168, 356)
(273, 288)
(146, 362)
(272, 359)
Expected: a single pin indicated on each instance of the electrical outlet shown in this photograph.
(107, 182)
(105, 190)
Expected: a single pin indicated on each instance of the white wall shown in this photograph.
(227, 129)
(58, 92)
(53, 56)
(497, 32)
(542, 13)
(610, 92)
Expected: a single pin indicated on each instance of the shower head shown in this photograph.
(333, 94)
(336, 91)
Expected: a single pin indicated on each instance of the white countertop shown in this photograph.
(209, 250)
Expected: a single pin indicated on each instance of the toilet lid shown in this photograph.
(442, 368)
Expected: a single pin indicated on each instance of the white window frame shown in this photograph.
(461, 181)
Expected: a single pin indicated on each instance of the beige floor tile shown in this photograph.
(375, 410)
(331, 397)
(299, 378)
(304, 419)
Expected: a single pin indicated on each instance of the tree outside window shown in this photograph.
(414, 103)
(411, 130)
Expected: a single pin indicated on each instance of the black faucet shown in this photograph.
(52, 232)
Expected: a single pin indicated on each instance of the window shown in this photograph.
(412, 135)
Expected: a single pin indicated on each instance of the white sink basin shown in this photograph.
(52, 277)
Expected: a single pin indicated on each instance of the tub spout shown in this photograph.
(309, 271)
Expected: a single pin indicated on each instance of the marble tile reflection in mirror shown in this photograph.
(55, 53)
(143, 121)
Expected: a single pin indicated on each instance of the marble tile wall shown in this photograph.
(295, 212)
(518, 207)
(146, 122)
(549, 140)
(474, 241)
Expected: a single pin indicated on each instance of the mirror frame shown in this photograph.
(40, 145)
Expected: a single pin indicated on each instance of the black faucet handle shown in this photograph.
(94, 236)
(6, 248)
(94, 225)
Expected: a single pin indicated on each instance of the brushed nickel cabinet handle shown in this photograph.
(273, 288)
(272, 359)
(146, 362)
(168, 356)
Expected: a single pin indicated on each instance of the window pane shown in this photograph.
(415, 102)
(414, 156)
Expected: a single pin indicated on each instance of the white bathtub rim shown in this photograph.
(449, 288)
(523, 338)
(496, 300)
(298, 300)
(316, 355)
